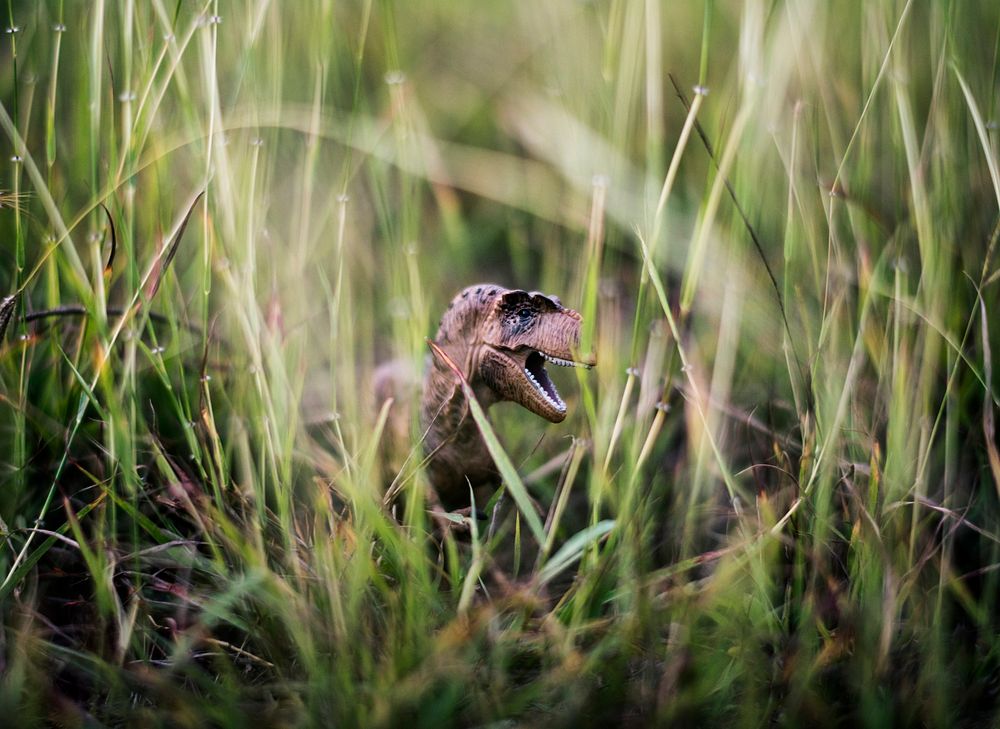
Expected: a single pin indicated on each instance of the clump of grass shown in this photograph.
(774, 500)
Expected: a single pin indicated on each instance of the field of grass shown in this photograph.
(776, 499)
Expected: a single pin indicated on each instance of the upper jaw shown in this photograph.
(586, 364)
(563, 357)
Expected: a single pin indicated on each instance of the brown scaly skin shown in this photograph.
(500, 339)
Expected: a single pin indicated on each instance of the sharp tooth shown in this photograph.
(556, 401)
(564, 362)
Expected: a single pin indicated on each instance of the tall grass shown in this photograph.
(775, 499)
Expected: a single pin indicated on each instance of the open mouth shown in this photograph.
(534, 368)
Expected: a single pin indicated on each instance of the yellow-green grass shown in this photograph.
(775, 499)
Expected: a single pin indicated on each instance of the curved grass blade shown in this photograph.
(172, 251)
(114, 238)
(573, 549)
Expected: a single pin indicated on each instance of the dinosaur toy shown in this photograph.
(500, 339)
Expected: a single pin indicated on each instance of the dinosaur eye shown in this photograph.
(524, 314)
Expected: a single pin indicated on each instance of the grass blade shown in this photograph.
(573, 550)
(172, 251)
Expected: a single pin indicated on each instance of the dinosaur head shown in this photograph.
(499, 340)
(520, 332)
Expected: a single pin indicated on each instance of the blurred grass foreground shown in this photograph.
(775, 501)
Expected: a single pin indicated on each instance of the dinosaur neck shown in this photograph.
(458, 454)
(453, 439)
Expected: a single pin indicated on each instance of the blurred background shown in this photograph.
(778, 489)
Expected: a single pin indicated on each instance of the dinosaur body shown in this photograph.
(500, 339)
